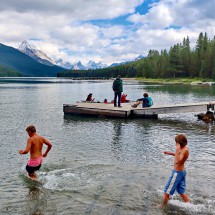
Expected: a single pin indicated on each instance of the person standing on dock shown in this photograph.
(118, 89)
(177, 180)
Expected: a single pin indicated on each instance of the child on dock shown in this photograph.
(177, 180)
(146, 101)
(90, 98)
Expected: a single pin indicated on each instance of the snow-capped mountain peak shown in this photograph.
(93, 65)
(25, 45)
(78, 66)
(32, 51)
(60, 62)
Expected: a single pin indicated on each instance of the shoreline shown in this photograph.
(170, 81)
(178, 81)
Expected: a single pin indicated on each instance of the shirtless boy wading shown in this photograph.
(35, 146)
(177, 180)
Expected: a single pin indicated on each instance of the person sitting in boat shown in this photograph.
(123, 98)
(90, 98)
(146, 101)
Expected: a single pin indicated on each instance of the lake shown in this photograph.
(100, 165)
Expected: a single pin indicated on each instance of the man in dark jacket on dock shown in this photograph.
(118, 89)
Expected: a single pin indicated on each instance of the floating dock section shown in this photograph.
(98, 109)
(126, 111)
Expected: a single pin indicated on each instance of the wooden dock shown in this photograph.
(126, 111)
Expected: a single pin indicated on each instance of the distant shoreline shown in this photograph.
(177, 81)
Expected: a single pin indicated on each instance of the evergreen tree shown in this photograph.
(176, 66)
(186, 55)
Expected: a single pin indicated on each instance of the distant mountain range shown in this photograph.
(28, 60)
(13, 59)
(32, 51)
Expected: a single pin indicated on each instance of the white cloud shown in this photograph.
(64, 29)
(158, 17)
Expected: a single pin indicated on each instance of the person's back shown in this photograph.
(117, 85)
(147, 102)
(118, 89)
(36, 146)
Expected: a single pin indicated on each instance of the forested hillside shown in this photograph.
(12, 60)
(179, 61)
(6, 72)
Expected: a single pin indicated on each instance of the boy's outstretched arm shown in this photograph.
(169, 153)
(27, 149)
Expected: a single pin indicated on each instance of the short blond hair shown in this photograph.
(31, 128)
(181, 139)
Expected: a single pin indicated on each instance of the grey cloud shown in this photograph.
(205, 8)
(76, 9)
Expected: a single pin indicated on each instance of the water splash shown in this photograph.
(59, 179)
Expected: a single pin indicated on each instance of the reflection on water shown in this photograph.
(99, 165)
(116, 145)
(36, 201)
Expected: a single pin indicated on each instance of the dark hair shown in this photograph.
(145, 95)
(181, 139)
(31, 128)
(89, 97)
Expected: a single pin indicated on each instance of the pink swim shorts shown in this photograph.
(35, 162)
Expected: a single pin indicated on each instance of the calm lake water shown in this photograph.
(101, 166)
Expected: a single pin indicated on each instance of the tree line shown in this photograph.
(7, 72)
(179, 61)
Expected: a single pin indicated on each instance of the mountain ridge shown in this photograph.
(15, 60)
(31, 50)
(40, 56)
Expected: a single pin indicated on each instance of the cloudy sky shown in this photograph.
(105, 31)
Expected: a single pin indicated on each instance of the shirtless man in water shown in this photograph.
(35, 145)
(177, 180)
